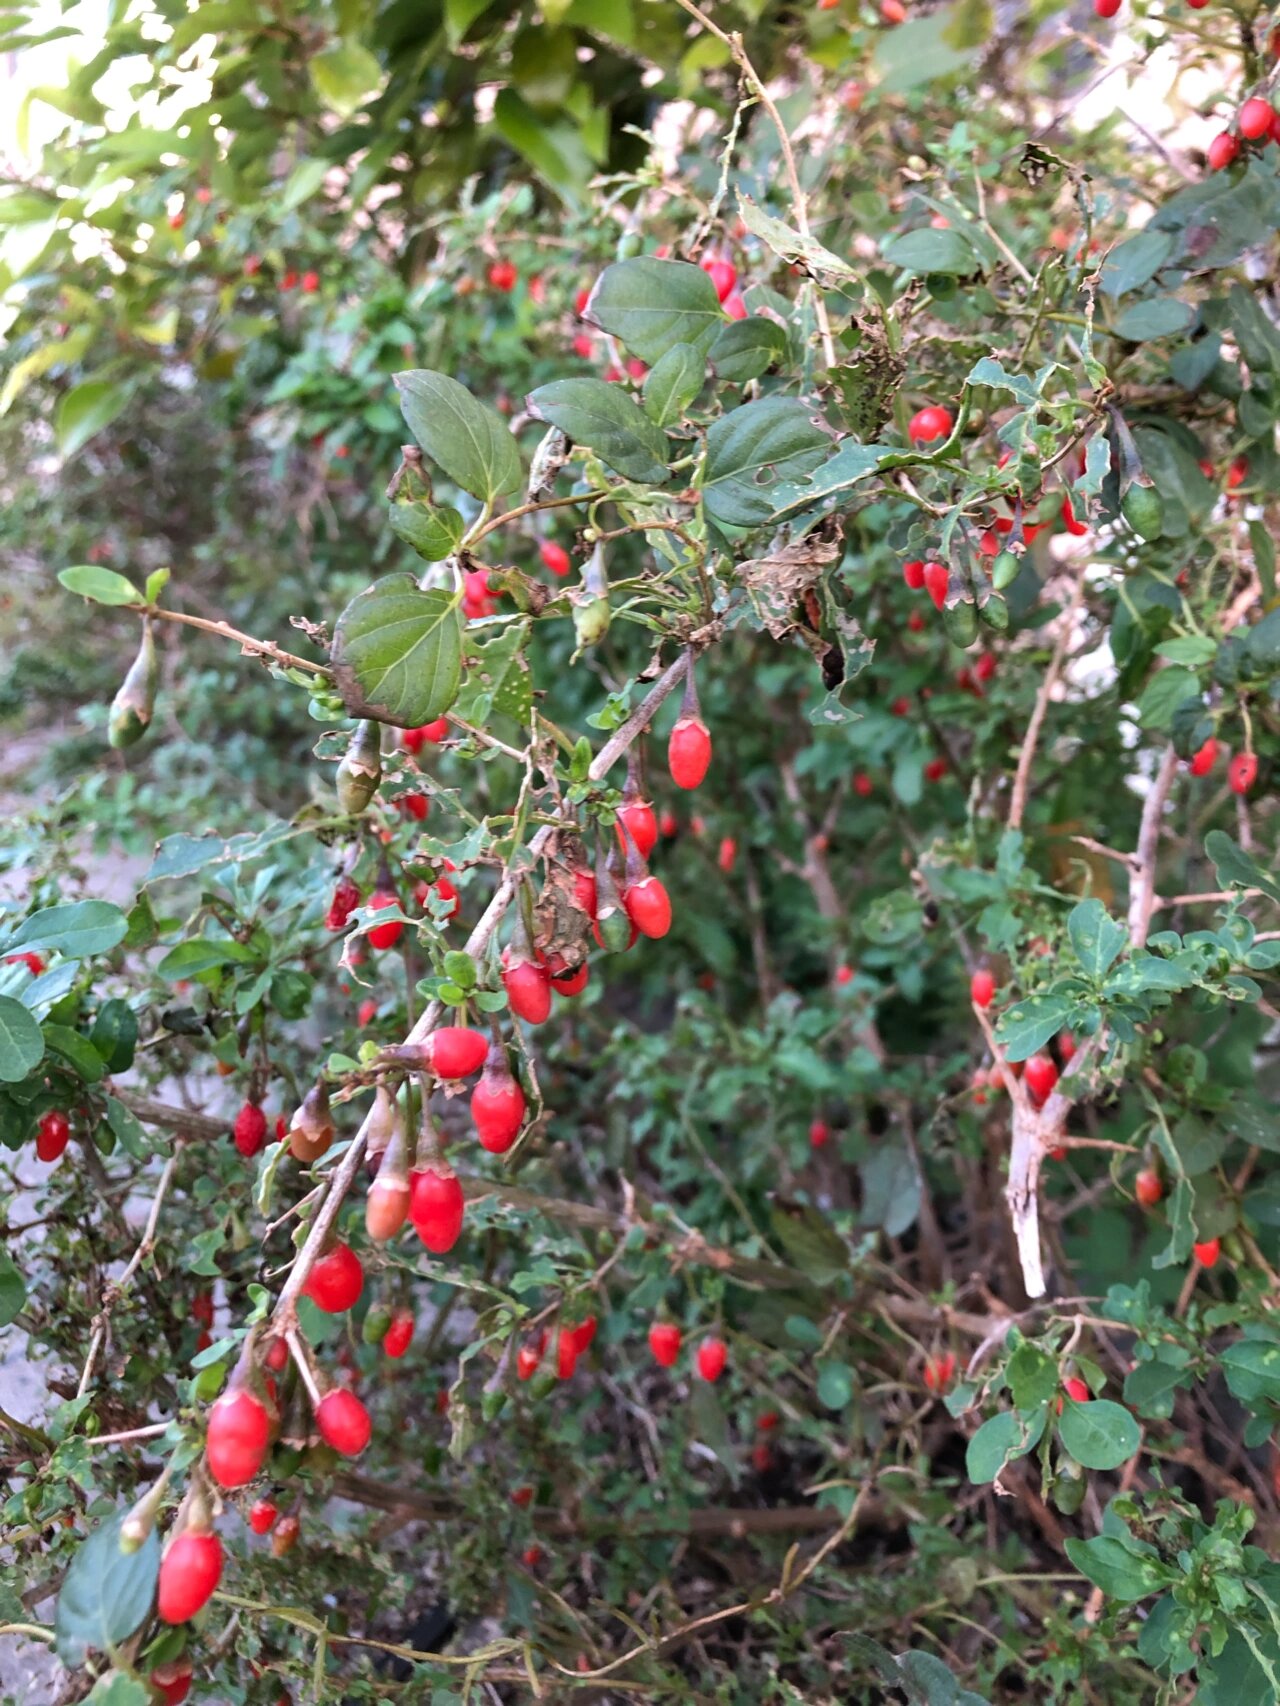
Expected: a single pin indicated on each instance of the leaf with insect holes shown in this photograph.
(752, 454)
(1095, 936)
(497, 677)
(1001, 1439)
(397, 652)
(466, 438)
(1030, 1023)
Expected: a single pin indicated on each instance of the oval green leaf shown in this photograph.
(464, 437)
(1098, 1434)
(106, 1595)
(752, 452)
(76, 928)
(21, 1041)
(397, 652)
(604, 418)
(103, 586)
(651, 305)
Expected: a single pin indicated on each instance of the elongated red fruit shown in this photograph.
(346, 898)
(638, 820)
(238, 1436)
(664, 1342)
(913, 573)
(713, 1353)
(336, 1280)
(1205, 758)
(497, 1104)
(528, 987)
(399, 1335)
(52, 1133)
(343, 1422)
(689, 752)
(1242, 772)
(189, 1572)
(413, 740)
(250, 1129)
(456, 1052)
(436, 1207)
(930, 423)
(566, 1354)
(937, 578)
(648, 906)
(1040, 1075)
(554, 557)
(262, 1515)
(982, 986)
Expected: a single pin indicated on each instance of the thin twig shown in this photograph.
(1022, 776)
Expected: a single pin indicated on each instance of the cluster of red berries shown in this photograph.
(665, 1340)
(1242, 769)
(1257, 121)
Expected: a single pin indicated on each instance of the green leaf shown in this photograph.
(1095, 936)
(87, 410)
(13, 1290)
(496, 678)
(344, 76)
(1032, 1376)
(433, 533)
(1134, 261)
(128, 1131)
(920, 51)
(1252, 1370)
(1236, 868)
(808, 1239)
(302, 183)
(1157, 317)
(752, 453)
(115, 1034)
(605, 419)
(557, 152)
(21, 1041)
(1030, 1024)
(672, 383)
(650, 306)
(1119, 1570)
(850, 465)
(890, 1189)
(747, 348)
(1145, 972)
(77, 1051)
(998, 1441)
(106, 1595)
(116, 1689)
(76, 928)
(1164, 693)
(1098, 1434)
(466, 438)
(205, 953)
(932, 249)
(835, 1385)
(103, 586)
(397, 652)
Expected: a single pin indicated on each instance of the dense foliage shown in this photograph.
(636, 1020)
